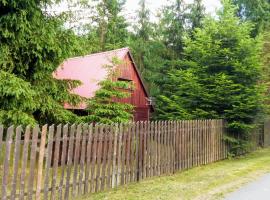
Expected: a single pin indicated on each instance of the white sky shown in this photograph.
(132, 5)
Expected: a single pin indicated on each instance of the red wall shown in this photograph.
(138, 96)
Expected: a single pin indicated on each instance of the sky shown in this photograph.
(132, 5)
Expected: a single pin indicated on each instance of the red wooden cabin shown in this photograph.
(90, 70)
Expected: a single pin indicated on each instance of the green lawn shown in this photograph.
(206, 182)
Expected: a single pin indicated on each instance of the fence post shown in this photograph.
(266, 133)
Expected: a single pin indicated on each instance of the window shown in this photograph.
(128, 81)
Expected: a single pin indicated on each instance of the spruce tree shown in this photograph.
(219, 77)
(196, 15)
(149, 51)
(257, 11)
(32, 45)
(104, 106)
(111, 29)
(172, 23)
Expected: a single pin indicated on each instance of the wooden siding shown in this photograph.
(138, 96)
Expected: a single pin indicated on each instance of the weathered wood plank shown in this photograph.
(9, 136)
(114, 162)
(132, 152)
(144, 156)
(63, 161)
(119, 153)
(149, 149)
(82, 159)
(110, 156)
(99, 157)
(88, 157)
(16, 162)
(137, 152)
(104, 158)
(69, 160)
(55, 160)
(128, 161)
(152, 148)
(24, 161)
(123, 154)
(32, 162)
(48, 162)
(76, 159)
(93, 164)
(40, 161)
(1, 136)
(159, 148)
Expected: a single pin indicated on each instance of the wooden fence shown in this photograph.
(60, 162)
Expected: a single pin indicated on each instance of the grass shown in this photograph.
(206, 182)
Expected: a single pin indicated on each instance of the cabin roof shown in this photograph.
(90, 70)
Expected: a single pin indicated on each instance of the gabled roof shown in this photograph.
(90, 70)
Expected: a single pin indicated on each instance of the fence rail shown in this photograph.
(64, 161)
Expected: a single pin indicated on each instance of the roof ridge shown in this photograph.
(99, 53)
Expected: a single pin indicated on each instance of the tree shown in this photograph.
(32, 45)
(103, 107)
(172, 23)
(257, 11)
(148, 51)
(196, 15)
(219, 77)
(111, 30)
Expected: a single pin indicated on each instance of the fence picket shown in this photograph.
(99, 156)
(63, 161)
(56, 160)
(119, 153)
(128, 171)
(40, 161)
(10, 133)
(104, 158)
(16, 162)
(114, 163)
(93, 164)
(88, 157)
(110, 157)
(82, 159)
(69, 160)
(48, 161)
(24, 162)
(1, 136)
(123, 154)
(32, 162)
(76, 159)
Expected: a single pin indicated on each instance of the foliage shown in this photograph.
(110, 31)
(103, 107)
(196, 15)
(171, 25)
(32, 46)
(257, 11)
(219, 76)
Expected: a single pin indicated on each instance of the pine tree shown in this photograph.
(103, 107)
(32, 45)
(219, 77)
